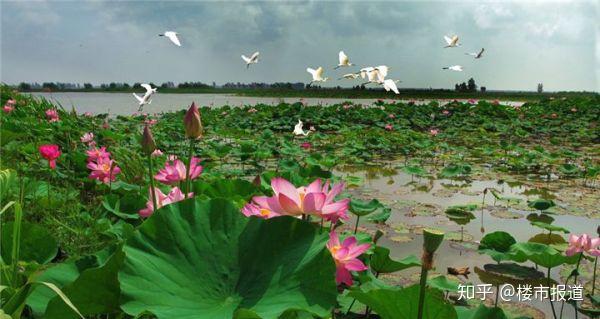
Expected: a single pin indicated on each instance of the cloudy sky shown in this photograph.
(526, 42)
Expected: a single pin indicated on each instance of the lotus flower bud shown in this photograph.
(192, 122)
(148, 144)
(432, 240)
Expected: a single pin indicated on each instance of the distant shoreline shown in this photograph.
(341, 93)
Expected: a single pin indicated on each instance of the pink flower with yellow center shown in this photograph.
(174, 195)
(175, 171)
(583, 244)
(254, 210)
(345, 256)
(104, 170)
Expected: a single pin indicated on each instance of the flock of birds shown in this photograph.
(373, 75)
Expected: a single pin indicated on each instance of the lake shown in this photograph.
(126, 104)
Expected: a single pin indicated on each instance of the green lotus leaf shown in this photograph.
(37, 245)
(363, 208)
(544, 255)
(548, 239)
(498, 246)
(237, 190)
(541, 204)
(550, 227)
(382, 263)
(380, 217)
(204, 259)
(481, 312)
(443, 283)
(403, 303)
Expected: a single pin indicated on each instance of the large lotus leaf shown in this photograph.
(544, 255)
(382, 263)
(548, 239)
(232, 189)
(125, 207)
(95, 291)
(481, 312)
(204, 259)
(403, 303)
(36, 243)
(498, 246)
(443, 283)
(362, 208)
(380, 217)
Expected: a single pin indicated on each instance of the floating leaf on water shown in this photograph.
(547, 239)
(363, 208)
(549, 227)
(541, 204)
(533, 217)
(505, 213)
(401, 239)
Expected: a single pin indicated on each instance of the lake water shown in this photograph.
(125, 103)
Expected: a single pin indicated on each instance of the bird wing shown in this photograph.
(382, 72)
(311, 71)
(245, 58)
(254, 56)
(481, 52)
(390, 84)
(454, 40)
(343, 58)
(173, 37)
(320, 71)
(448, 39)
(147, 87)
(137, 97)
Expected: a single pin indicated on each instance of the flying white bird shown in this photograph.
(477, 55)
(253, 59)
(172, 36)
(344, 60)
(390, 85)
(374, 74)
(457, 68)
(452, 41)
(147, 98)
(350, 76)
(298, 129)
(317, 75)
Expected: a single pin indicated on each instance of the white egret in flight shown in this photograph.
(477, 55)
(452, 41)
(172, 36)
(457, 68)
(390, 85)
(344, 60)
(317, 75)
(253, 59)
(298, 129)
(147, 98)
(350, 76)
(374, 74)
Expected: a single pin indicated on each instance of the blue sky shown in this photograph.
(557, 43)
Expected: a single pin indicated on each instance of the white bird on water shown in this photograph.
(344, 60)
(457, 68)
(253, 59)
(147, 98)
(298, 129)
(452, 41)
(172, 36)
(477, 55)
(317, 75)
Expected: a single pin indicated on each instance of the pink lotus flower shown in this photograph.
(171, 157)
(52, 115)
(87, 138)
(175, 172)
(573, 110)
(96, 154)
(150, 122)
(313, 199)
(104, 170)
(446, 112)
(157, 153)
(345, 256)
(346, 106)
(434, 132)
(583, 244)
(252, 110)
(472, 101)
(389, 127)
(392, 116)
(105, 125)
(553, 115)
(87, 114)
(305, 145)
(175, 195)
(8, 108)
(50, 152)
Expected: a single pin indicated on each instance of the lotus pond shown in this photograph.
(386, 210)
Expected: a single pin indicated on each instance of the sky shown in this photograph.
(526, 42)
